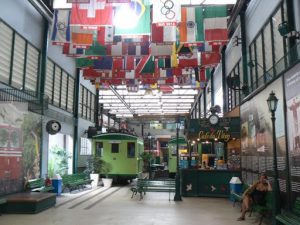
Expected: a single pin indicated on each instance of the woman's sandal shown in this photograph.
(240, 219)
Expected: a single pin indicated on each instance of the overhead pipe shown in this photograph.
(121, 99)
(42, 9)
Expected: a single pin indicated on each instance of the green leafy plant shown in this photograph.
(58, 161)
(147, 157)
(94, 164)
(106, 168)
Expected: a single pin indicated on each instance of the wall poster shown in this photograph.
(256, 137)
(292, 92)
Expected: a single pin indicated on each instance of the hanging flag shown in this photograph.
(105, 35)
(163, 34)
(95, 50)
(116, 49)
(210, 58)
(118, 1)
(166, 12)
(166, 88)
(71, 51)
(135, 39)
(61, 27)
(84, 62)
(104, 63)
(161, 49)
(174, 60)
(138, 50)
(141, 64)
(118, 64)
(129, 63)
(191, 26)
(189, 60)
(82, 38)
(92, 15)
(215, 23)
(132, 18)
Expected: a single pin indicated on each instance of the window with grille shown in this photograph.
(70, 101)
(32, 65)
(57, 83)
(63, 97)
(49, 80)
(85, 146)
(6, 40)
(18, 62)
(99, 149)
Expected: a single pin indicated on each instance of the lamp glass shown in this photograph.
(272, 102)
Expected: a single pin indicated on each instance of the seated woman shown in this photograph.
(255, 194)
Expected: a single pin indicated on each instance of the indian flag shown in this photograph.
(191, 26)
(215, 23)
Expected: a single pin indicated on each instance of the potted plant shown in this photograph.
(106, 169)
(94, 168)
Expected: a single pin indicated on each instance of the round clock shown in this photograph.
(53, 127)
(213, 119)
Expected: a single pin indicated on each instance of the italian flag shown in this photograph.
(191, 26)
(215, 23)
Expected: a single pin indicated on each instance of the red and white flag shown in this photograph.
(91, 16)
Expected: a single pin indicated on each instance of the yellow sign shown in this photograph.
(218, 134)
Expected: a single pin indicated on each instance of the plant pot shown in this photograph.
(107, 182)
(95, 178)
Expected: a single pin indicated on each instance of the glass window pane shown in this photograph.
(278, 39)
(32, 65)
(63, 98)
(70, 94)
(49, 79)
(18, 62)
(57, 82)
(259, 60)
(6, 37)
(268, 47)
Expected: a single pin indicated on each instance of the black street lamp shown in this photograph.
(177, 196)
(272, 104)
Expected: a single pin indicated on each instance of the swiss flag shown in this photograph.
(91, 15)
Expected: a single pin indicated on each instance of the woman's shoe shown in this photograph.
(241, 218)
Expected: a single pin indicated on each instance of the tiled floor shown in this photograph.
(114, 206)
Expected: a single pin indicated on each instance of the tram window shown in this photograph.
(114, 148)
(99, 149)
(130, 149)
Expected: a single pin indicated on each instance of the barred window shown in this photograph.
(63, 97)
(18, 62)
(85, 146)
(32, 65)
(57, 83)
(70, 101)
(6, 39)
(49, 80)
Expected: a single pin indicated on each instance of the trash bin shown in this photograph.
(57, 184)
(235, 186)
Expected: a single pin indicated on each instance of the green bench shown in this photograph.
(290, 218)
(38, 185)
(147, 185)
(75, 181)
(265, 209)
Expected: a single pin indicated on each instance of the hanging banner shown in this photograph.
(166, 12)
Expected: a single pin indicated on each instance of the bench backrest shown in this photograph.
(35, 183)
(296, 208)
(155, 183)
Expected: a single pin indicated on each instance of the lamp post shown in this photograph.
(272, 104)
(150, 152)
(177, 196)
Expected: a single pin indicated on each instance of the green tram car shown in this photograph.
(172, 147)
(122, 151)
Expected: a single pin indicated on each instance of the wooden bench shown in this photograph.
(290, 218)
(75, 181)
(38, 185)
(147, 185)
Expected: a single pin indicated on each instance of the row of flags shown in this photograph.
(121, 41)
